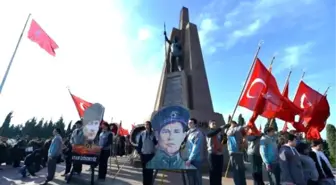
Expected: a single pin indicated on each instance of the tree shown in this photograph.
(33, 128)
(69, 129)
(241, 120)
(60, 124)
(331, 140)
(4, 130)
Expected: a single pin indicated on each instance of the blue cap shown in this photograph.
(169, 115)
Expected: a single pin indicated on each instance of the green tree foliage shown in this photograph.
(331, 140)
(241, 120)
(5, 128)
(32, 128)
(271, 123)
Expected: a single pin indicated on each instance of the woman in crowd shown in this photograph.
(309, 169)
(105, 141)
(146, 149)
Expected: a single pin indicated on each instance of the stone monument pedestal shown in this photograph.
(188, 88)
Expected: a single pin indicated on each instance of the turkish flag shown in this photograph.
(316, 111)
(122, 131)
(81, 105)
(39, 36)
(306, 96)
(262, 94)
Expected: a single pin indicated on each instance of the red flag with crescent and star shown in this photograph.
(39, 36)
(262, 87)
(81, 105)
(316, 111)
(263, 97)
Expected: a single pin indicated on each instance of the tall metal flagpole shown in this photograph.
(241, 94)
(248, 76)
(11, 60)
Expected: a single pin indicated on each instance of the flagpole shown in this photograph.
(270, 73)
(286, 84)
(13, 56)
(241, 94)
(297, 88)
(248, 76)
(73, 100)
(326, 91)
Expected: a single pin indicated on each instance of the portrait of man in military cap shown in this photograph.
(170, 128)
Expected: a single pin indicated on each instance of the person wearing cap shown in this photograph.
(77, 138)
(269, 154)
(236, 148)
(194, 144)
(170, 129)
(146, 149)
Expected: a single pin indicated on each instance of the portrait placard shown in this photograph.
(170, 127)
(88, 153)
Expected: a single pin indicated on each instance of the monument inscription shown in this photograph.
(173, 91)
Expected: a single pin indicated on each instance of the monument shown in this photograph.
(189, 86)
(183, 80)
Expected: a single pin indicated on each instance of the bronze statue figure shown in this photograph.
(175, 56)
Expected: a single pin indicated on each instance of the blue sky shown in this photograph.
(300, 33)
(111, 51)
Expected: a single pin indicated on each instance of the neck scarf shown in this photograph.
(320, 155)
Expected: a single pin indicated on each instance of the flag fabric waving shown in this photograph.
(316, 111)
(285, 94)
(39, 36)
(81, 105)
(122, 131)
(263, 96)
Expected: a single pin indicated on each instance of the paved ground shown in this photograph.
(128, 175)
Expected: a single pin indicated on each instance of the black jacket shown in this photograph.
(324, 166)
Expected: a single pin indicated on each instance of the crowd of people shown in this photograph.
(287, 158)
(38, 153)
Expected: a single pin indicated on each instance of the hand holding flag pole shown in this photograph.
(241, 93)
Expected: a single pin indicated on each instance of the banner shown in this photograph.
(170, 126)
(89, 151)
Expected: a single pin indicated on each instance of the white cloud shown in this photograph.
(207, 27)
(243, 19)
(144, 34)
(294, 55)
(94, 58)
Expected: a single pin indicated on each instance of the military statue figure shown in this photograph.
(175, 57)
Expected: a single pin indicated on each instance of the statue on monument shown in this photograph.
(175, 55)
